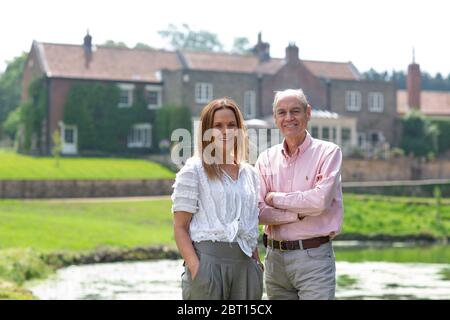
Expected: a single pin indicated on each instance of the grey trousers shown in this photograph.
(301, 274)
(225, 273)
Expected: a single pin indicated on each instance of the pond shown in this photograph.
(363, 272)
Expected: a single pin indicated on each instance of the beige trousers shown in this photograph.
(308, 274)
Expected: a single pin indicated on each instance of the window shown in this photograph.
(249, 104)
(140, 136)
(326, 133)
(153, 96)
(375, 137)
(126, 95)
(203, 92)
(353, 100)
(346, 134)
(69, 135)
(376, 102)
(315, 132)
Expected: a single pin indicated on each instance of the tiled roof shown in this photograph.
(122, 64)
(333, 70)
(433, 103)
(119, 64)
(212, 61)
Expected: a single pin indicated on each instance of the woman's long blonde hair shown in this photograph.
(207, 121)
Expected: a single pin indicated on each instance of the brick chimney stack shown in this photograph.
(292, 54)
(87, 47)
(413, 84)
(262, 49)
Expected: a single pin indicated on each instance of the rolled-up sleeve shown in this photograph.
(185, 190)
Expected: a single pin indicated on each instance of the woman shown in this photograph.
(215, 211)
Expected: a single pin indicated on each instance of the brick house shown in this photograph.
(189, 78)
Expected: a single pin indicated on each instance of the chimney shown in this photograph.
(413, 84)
(87, 47)
(292, 54)
(262, 49)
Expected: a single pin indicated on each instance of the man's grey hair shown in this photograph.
(296, 93)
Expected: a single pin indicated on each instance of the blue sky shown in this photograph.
(377, 34)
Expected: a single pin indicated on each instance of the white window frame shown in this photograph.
(66, 147)
(158, 89)
(376, 102)
(353, 100)
(130, 89)
(203, 92)
(135, 140)
(249, 104)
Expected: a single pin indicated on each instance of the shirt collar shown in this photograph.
(300, 149)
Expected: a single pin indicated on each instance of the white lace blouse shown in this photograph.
(223, 210)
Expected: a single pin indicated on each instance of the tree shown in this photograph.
(11, 124)
(241, 45)
(185, 38)
(113, 44)
(141, 45)
(419, 135)
(11, 86)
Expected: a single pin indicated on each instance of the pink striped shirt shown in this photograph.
(309, 183)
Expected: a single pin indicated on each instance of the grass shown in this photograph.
(346, 281)
(53, 225)
(50, 226)
(371, 215)
(29, 228)
(414, 254)
(14, 166)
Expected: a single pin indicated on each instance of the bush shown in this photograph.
(443, 126)
(419, 135)
(21, 265)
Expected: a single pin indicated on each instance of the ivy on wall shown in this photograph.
(32, 115)
(102, 125)
(169, 118)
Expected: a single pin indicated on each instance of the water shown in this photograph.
(160, 280)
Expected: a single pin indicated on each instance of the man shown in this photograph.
(300, 204)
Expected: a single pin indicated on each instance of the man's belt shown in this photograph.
(296, 244)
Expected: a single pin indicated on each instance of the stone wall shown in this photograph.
(394, 169)
(30, 189)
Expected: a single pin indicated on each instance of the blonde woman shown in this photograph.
(215, 206)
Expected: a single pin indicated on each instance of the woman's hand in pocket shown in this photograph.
(193, 269)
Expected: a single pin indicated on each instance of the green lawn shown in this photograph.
(397, 216)
(50, 225)
(15, 166)
(28, 228)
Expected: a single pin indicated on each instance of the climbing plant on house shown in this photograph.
(32, 115)
(169, 118)
(102, 125)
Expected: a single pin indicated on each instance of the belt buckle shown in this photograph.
(281, 245)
